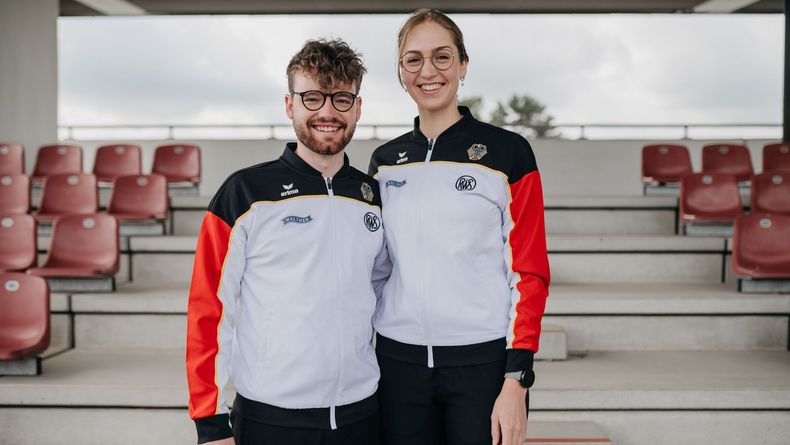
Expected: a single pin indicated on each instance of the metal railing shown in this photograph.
(580, 131)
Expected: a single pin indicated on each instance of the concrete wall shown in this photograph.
(568, 167)
(28, 73)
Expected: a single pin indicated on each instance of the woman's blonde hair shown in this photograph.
(432, 15)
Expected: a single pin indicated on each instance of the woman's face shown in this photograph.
(433, 89)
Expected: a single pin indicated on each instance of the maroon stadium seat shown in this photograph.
(18, 250)
(771, 193)
(14, 194)
(665, 163)
(707, 197)
(139, 197)
(178, 162)
(12, 159)
(761, 246)
(56, 160)
(117, 160)
(24, 320)
(776, 158)
(74, 194)
(728, 159)
(82, 246)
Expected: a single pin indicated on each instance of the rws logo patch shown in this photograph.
(465, 183)
(372, 222)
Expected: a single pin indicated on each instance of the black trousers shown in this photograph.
(437, 406)
(250, 432)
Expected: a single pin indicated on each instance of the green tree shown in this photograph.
(528, 116)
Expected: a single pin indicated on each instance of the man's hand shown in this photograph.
(509, 418)
(228, 441)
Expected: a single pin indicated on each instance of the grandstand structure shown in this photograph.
(654, 333)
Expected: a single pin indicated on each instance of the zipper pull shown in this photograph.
(431, 143)
(329, 183)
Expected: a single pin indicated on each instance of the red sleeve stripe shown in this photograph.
(529, 261)
(204, 318)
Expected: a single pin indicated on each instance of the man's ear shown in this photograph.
(289, 106)
(359, 108)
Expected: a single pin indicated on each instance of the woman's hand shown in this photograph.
(509, 418)
(228, 441)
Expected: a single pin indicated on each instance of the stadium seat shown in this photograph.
(56, 160)
(706, 197)
(761, 246)
(139, 197)
(664, 163)
(18, 249)
(117, 160)
(771, 193)
(776, 157)
(12, 159)
(24, 320)
(728, 159)
(82, 246)
(178, 163)
(14, 194)
(70, 194)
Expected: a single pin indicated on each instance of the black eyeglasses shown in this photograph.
(313, 100)
(413, 61)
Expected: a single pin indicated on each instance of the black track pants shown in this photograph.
(250, 432)
(438, 406)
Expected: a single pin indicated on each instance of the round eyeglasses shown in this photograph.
(313, 100)
(413, 61)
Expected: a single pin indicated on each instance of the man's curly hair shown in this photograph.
(330, 62)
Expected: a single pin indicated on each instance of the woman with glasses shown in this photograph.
(459, 319)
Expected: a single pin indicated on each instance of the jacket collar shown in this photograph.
(290, 158)
(455, 129)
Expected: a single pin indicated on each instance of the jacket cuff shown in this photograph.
(213, 428)
(519, 360)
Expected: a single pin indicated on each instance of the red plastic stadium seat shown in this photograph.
(728, 159)
(68, 195)
(117, 160)
(139, 197)
(14, 194)
(178, 162)
(709, 198)
(57, 160)
(665, 163)
(776, 158)
(18, 250)
(82, 246)
(12, 159)
(761, 246)
(771, 193)
(24, 320)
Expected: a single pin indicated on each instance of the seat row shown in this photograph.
(134, 197)
(669, 163)
(715, 197)
(178, 163)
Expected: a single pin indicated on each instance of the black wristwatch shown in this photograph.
(525, 377)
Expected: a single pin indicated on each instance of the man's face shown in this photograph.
(325, 131)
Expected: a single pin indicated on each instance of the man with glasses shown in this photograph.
(289, 260)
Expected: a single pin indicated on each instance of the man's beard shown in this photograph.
(305, 135)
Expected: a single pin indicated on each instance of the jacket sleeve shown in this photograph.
(526, 259)
(382, 269)
(215, 287)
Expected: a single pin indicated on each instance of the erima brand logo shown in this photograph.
(372, 222)
(402, 157)
(394, 183)
(297, 219)
(465, 183)
(289, 190)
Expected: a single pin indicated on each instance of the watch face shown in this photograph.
(527, 378)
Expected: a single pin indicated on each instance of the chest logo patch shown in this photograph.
(297, 219)
(372, 222)
(465, 183)
(402, 157)
(289, 190)
(394, 183)
(476, 152)
(367, 192)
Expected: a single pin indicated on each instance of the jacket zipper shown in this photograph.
(332, 419)
(431, 143)
(429, 346)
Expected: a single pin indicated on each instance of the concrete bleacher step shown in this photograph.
(564, 214)
(574, 259)
(579, 318)
(716, 388)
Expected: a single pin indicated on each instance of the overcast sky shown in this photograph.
(585, 68)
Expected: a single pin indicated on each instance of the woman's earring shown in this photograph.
(462, 81)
